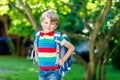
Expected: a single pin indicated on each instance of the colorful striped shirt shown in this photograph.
(47, 53)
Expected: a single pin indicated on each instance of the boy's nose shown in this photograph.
(48, 26)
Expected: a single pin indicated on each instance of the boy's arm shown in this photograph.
(68, 54)
(36, 54)
(35, 47)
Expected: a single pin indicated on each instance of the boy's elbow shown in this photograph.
(73, 48)
(70, 47)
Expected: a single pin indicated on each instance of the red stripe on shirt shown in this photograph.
(49, 67)
(47, 50)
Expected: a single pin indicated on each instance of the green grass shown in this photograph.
(23, 69)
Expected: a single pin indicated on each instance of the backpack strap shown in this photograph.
(57, 41)
(37, 36)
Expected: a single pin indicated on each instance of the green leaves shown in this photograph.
(19, 24)
(3, 7)
(73, 14)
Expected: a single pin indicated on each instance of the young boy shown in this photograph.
(46, 52)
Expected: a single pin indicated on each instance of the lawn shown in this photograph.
(15, 68)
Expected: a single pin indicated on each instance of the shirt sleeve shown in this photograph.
(62, 40)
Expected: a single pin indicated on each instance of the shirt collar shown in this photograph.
(50, 33)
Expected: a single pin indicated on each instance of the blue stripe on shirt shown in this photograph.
(47, 45)
(46, 64)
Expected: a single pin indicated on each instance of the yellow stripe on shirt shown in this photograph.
(41, 54)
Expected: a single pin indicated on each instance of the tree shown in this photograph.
(98, 39)
(95, 16)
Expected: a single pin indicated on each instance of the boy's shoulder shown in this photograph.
(60, 34)
(38, 33)
(57, 34)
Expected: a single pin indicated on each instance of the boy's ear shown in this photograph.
(55, 26)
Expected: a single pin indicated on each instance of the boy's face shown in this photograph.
(47, 25)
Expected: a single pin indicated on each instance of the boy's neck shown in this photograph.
(47, 32)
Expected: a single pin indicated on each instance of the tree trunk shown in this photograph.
(90, 73)
(9, 41)
(99, 69)
(103, 77)
(81, 61)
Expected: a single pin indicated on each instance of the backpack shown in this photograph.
(60, 49)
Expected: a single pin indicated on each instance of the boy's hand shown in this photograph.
(60, 62)
(36, 61)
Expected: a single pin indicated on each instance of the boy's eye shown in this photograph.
(52, 23)
(46, 22)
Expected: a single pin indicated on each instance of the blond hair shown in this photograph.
(50, 14)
